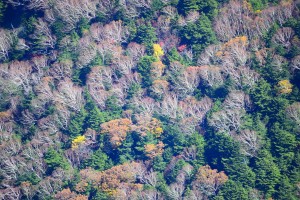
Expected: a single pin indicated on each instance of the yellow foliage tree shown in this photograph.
(153, 150)
(77, 141)
(145, 125)
(158, 51)
(285, 87)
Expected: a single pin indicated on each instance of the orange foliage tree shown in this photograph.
(208, 180)
(117, 130)
(117, 181)
(146, 124)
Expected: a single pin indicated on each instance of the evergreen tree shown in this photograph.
(173, 55)
(99, 161)
(283, 146)
(171, 175)
(159, 164)
(185, 6)
(174, 138)
(232, 191)
(54, 159)
(113, 110)
(285, 190)
(198, 140)
(94, 116)
(267, 173)
(282, 141)
(223, 153)
(144, 68)
(77, 123)
(208, 7)
(125, 151)
(198, 35)
(145, 35)
(2, 10)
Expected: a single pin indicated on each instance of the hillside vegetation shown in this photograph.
(150, 99)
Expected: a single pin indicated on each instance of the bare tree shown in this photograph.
(184, 81)
(87, 51)
(11, 193)
(145, 106)
(189, 153)
(152, 194)
(105, 48)
(163, 26)
(6, 41)
(159, 88)
(27, 118)
(133, 8)
(296, 62)
(232, 21)
(28, 190)
(195, 194)
(170, 11)
(43, 90)
(175, 191)
(98, 81)
(15, 2)
(43, 35)
(38, 4)
(39, 67)
(125, 64)
(71, 11)
(226, 120)
(209, 56)
(49, 124)
(136, 51)
(10, 167)
(61, 70)
(283, 37)
(196, 109)
(285, 11)
(49, 186)
(62, 117)
(170, 106)
(293, 112)
(20, 73)
(223, 28)
(69, 95)
(237, 100)
(113, 32)
(250, 142)
(76, 156)
(278, 61)
(211, 75)
(150, 178)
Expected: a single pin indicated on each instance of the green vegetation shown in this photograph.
(150, 99)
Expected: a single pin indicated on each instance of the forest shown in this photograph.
(150, 99)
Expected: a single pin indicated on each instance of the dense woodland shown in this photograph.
(150, 99)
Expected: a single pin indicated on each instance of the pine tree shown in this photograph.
(185, 6)
(77, 123)
(285, 190)
(54, 159)
(94, 116)
(208, 7)
(232, 191)
(199, 35)
(267, 173)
